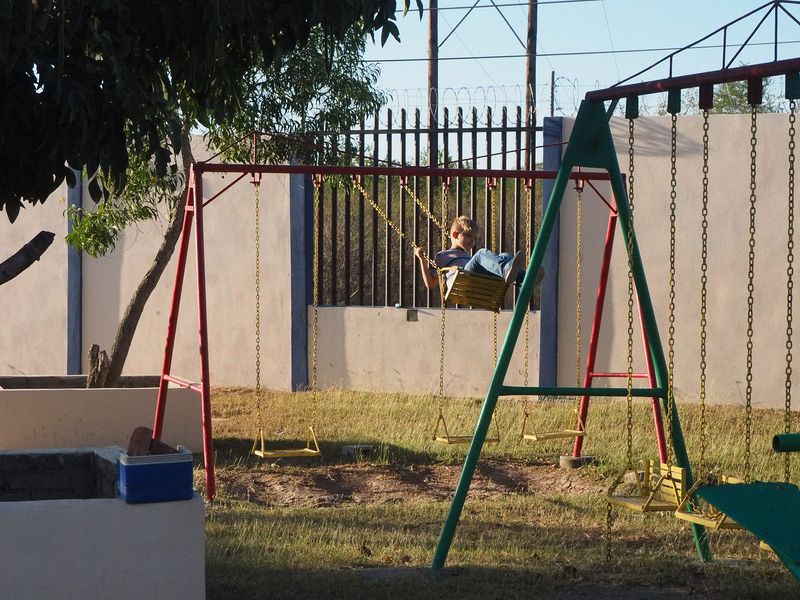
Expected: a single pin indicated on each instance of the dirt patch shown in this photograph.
(354, 483)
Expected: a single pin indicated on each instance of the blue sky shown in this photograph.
(593, 25)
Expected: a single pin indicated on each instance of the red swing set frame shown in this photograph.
(193, 217)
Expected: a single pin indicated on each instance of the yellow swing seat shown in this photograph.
(310, 451)
(460, 439)
(694, 510)
(660, 489)
(476, 290)
(553, 435)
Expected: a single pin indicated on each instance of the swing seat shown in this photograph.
(660, 489)
(771, 511)
(310, 451)
(476, 290)
(709, 516)
(459, 439)
(553, 435)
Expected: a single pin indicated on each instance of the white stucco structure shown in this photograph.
(378, 348)
(102, 548)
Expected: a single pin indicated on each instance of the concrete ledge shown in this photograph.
(102, 548)
(80, 418)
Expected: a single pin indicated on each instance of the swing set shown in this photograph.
(194, 220)
(770, 510)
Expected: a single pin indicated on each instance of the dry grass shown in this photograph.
(521, 545)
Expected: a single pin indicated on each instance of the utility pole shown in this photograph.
(552, 93)
(530, 87)
(433, 82)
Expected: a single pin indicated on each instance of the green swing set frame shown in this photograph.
(591, 146)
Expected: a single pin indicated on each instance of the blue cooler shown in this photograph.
(155, 478)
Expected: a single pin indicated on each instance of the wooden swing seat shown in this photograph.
(310, 451)
(553, 435)
(476, 290)
(661, 489)
(709, 517)
(459, 439)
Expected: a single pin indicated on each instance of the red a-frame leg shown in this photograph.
(193, 211)
(591, 374)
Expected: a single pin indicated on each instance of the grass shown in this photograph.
(517, 545)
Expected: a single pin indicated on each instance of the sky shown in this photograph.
(566, 26)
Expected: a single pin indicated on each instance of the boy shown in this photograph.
(463, 233)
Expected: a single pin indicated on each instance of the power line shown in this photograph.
(582, 53)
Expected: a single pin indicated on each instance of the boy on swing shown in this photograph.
(463, 233)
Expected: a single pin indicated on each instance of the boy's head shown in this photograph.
(463, 232)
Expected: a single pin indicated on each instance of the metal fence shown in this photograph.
(363, 261)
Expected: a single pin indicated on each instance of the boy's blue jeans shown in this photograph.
(488, 263)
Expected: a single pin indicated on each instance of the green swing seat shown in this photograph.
(770, 511)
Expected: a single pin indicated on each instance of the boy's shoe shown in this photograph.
(513, 267)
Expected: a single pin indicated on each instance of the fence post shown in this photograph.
(297, 220)
(548, 337)
(74, 285)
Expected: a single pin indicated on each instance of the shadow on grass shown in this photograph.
(233, 451)
(228, 580)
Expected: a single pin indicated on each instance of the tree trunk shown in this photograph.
(127, 326)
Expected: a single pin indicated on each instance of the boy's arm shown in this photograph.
(431, 280)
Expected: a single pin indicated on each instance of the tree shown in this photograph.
(299, 94)
(82, 83)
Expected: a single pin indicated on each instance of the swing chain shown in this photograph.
(315, 300)
(425, 210)
(494, 246)
(704, 298)
(750, 289)
(442, 294)
(609, 524)
(629, 397)
(789, 287)
(257, 202)
(672, 235)
(525, 413)
(578, 268)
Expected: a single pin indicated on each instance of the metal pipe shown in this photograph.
(786, 442)
(779, 67)
(408, 171)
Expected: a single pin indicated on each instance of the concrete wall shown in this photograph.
(380, 349)
(103, 548)
(34, 304)
(729, 175)
(79, 418)
(376, 348)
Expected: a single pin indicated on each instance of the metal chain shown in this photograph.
(787, 420)
(424, 208)
(578, 268)
(703, 298)
(315, 291)
(673, 182)
(257, 202)
(629, 396)
(391, 223)
(609, 523)
(442, 308)
(751, 256)
(494, 247)
(528, 189)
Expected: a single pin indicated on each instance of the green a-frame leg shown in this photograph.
(590, 146)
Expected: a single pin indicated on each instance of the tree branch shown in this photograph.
(25, 256)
